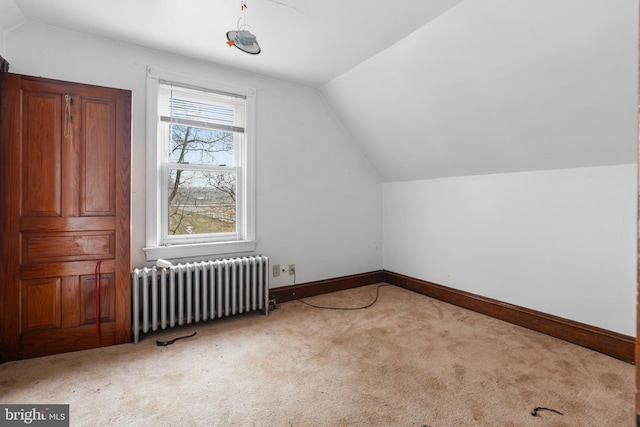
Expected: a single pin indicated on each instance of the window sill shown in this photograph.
(199, 250)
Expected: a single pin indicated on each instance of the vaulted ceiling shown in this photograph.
(497, 86)
(305, 41)
(427, 89)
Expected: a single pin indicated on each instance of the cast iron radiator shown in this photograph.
(193, 292)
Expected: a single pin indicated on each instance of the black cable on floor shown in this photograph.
(347, 308)
(539, 408)
(166, 343)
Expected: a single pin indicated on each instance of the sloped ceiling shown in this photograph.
(428, 89)
(499, 86)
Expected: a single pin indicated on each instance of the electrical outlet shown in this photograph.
(292, 269)
(276, 270)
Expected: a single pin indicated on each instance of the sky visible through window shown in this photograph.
(201, 201)
(192, 145)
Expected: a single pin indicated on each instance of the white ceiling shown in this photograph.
(304, 41)
(427, 89)
(499, 86)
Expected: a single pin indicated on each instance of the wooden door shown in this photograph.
(65, 202)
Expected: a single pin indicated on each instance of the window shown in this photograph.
(200, 195)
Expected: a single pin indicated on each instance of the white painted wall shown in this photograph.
(561, 242)
(319, 202)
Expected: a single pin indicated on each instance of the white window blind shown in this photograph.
(202, 108)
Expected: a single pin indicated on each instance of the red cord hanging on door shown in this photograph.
(96, 277)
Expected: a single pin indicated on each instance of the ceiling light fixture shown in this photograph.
(242, 38)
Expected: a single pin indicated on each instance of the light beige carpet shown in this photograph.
(406, 361)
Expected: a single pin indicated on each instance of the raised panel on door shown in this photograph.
(69, 301)
(98, 178)
(41, 154)
(69, 246)
(40, 304)
(106, 300)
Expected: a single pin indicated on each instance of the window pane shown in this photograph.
(201, 202)
(200, 146)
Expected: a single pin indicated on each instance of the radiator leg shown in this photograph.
(136, 307)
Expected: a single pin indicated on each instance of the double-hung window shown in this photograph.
(200, 195)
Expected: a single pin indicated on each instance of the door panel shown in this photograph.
(40, 304)
(70, 246)
(106, 302)
(70, 306)
(98, 167)
(41, 147)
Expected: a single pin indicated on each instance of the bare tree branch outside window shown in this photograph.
(201, 201)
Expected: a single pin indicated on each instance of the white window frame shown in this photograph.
(245, 242)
